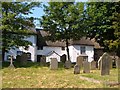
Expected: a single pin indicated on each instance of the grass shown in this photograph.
(38, 76)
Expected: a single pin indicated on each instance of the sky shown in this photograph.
(38, 12)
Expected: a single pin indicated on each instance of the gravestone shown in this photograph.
(107, 57)
(63, 58)
(86, 67)
(23, 59)
(11, 62)
(18, 58)
(79, 61)
(118, 63)
(53, 64)
(67, 64)
(76, 69)
(43, 60)
(93, 65)
(99, 62)
(105, 64)
(118, 66)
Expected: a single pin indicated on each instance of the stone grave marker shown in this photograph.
(63, 58)
(43, 60)
(101, 59)
(117, 63)
(76, 69)
(23, 59)
(93, 65)
(67, 64)
(86, 67)
(118, 66)
(105, 64)
(79, 61)
(53, 64)
(11, 62)
(99, 62)
(18, 58)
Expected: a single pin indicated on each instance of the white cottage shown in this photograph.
(40, 47)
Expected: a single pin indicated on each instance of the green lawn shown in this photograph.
(42, 77)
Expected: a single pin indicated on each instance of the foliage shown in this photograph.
(64, 21)
(15, 25)
(104, 24)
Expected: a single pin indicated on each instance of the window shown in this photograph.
(82, 49)
(63, 48)
(40, 48)
(19, 52)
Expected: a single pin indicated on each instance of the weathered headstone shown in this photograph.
(18, 58)
(63, 58)
(67, 64)
(118, 66)
(53, 64)
(118, 63)
(11, 63)
(23, 59)
(101, 59)
(99, 62)
(79, 61)
(43, 60)
(76, 69)
(93, 65)
(105, 64)
(86, 67)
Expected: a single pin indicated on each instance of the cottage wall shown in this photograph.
(31, 49)
(48, 49)
(75, 51)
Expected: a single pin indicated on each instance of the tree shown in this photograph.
(103, 21)
(64, 21)
(15, 25)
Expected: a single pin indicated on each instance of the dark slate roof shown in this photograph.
(42, 42)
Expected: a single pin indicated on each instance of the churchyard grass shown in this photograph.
(38, 76)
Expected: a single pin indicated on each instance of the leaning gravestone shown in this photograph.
(93, 65)
(86, 67)
(105, 64)
(67, 64)
(76, 69)
(101, 59)
(53, 64)
(99, 62)
(79, 61)
(23, 59)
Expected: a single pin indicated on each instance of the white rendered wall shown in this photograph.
(31, 49)
(75, 52)
(47, 50)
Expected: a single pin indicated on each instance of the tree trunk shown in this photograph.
(68, 55)
(3, 54)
